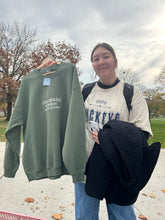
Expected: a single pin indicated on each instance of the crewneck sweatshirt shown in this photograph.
(51, 112)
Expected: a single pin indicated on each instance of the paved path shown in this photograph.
(57, 196)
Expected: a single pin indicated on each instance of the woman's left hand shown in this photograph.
(94, 135)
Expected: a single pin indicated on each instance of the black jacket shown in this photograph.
(121, 165)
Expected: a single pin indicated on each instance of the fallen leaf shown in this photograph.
(159, 213)
(73, 204)
(144, 194)
(62, 208)
(142, 217)
(29, 199)
(163, 190)
(152, 195)
(47, 197)
(57, 216)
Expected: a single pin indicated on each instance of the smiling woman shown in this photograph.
(105, 104)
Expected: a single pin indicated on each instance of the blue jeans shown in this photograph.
(87, 208)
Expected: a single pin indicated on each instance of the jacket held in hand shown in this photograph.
(121, 165)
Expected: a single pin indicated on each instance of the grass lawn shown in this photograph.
(157, 125)
(158, 129)
(3, 126)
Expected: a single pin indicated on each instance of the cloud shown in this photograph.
(134, 28)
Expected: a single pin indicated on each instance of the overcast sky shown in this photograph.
(136, 29)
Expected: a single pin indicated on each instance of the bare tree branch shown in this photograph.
(160, 80)
(129, 76)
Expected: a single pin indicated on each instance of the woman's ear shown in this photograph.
(116, 63)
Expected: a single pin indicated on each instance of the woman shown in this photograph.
(104, 103)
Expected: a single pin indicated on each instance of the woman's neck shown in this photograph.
(105, 86)
(108, 82)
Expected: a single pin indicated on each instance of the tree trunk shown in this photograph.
(9, 107)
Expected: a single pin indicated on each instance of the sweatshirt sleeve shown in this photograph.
(13, 138)
(139, 115)
(74, 150)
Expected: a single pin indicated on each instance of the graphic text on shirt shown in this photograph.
(52, 103)
(101, 117)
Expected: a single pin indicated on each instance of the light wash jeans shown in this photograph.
(87, 208)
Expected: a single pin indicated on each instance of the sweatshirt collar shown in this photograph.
(103, 86)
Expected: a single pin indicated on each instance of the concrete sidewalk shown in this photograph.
(57, 196)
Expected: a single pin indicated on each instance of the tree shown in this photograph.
(59, 51)
(129, 76)
(157, 106)
(160, 80)
(19, 55)
(15, 45)
(156, 103)
(9, 89)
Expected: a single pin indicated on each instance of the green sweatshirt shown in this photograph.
(51, 112)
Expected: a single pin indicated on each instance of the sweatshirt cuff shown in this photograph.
(78, 178)
(9, 173)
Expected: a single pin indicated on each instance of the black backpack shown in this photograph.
(127, 92)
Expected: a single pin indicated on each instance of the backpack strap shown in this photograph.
(87, 89)
(128, 94)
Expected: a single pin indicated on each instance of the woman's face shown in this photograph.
(104, 65)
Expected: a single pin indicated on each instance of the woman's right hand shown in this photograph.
(94, 135)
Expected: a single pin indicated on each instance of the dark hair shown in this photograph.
(107, 47)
